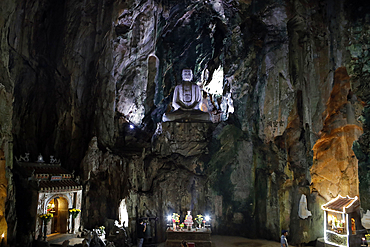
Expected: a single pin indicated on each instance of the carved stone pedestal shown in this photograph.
(187, 139)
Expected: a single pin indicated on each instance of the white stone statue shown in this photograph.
(187, 96)
(186, 101)
(302, 210)
(365, 220)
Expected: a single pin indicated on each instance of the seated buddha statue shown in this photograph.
(186, 101)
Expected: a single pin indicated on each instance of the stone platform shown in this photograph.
(355, 240)
(200, 237)
(57, 239)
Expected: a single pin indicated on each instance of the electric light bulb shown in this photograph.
(207, 218)
(169, 217)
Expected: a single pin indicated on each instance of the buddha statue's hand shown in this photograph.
(186, 107)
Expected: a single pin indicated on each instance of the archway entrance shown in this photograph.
(59, 208)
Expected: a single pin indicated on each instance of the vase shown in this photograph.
(174, 226)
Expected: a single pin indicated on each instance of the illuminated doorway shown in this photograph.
(59, 208)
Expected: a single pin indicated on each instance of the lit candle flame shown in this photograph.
(2, 235)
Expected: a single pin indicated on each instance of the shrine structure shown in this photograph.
(59, 194)
(342, 225)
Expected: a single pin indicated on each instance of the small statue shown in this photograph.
(186, 102)
(53, 160)
(353, 226)
(25, 158)
(303, 212)
(40, 159)
(188, 221)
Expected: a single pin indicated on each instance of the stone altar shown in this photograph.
(201, 237)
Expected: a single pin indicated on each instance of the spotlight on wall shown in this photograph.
(207, 221)
(169, 217)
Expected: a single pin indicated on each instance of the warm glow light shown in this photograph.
(335, 219)
(53, 205)
(169, 217)
(2, 235)
(207, 218)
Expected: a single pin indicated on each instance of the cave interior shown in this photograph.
(86, 83)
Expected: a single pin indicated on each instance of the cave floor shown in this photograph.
(217, 241)
(57, 239)
(233, 241)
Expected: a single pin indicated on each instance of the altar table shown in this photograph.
(199, 238)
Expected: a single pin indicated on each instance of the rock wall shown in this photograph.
(90, 81)
(359, 68)
(335, 168)
(3, 195)
(7, 212)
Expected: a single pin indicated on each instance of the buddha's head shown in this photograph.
(187, 75)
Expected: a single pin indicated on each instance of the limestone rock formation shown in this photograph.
(186, 139)
(88, 82)
(334, 171)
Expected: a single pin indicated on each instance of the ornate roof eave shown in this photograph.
(60, 189)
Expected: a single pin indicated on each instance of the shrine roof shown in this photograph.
(342, 204)
(59, 185)
(42, 168)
